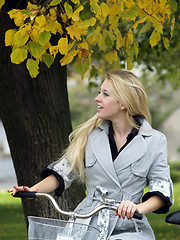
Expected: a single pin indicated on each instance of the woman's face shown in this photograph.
(109, 108)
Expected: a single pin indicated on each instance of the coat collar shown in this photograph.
(130, 154)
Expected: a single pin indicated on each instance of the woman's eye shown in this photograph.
(106, 94)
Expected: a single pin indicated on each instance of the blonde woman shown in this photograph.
(118, 150)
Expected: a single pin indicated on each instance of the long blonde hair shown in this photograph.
(127, 89)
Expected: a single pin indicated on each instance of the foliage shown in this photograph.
(85, 29)
(164, 64)
(175, 171)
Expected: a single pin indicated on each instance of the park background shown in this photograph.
(164, 105)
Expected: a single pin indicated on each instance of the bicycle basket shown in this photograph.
(54, 229)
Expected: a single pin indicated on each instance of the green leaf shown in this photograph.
(78, 67)
(131, 13)
(68, 9)
(173, 5)
(2, 3)
(44, 38)
(145, 28)
(18, 55)
(36, 49)
(55, 2)
(32, 67)
(93, 72)
(48, 59)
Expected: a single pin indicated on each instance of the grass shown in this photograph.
(12, 224)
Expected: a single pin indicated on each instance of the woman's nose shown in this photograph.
(97, 98)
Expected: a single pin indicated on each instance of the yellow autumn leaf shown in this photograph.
(166, 42)
(75, 15)
(154, 38)
(34, 33)
(18, 55)
(141, 20)
(18, 16)
(129, 3)
(87, 23)
(54, 50)
(119, 39)
(136, 49)
(19, 39)
(54, 2)
(41, 20)
(75, 1)
(9, 37)
(70, 45)
(52, 14)
(75, 31)
(129, 63)
(111, 57)
(95, 7)
(31, 6)
(63, 46)
(2, 3)
(128, 39)
(53, 27)
(68, 58)
(84, 45)
(26, 28)
(104, 9)
(172, 27)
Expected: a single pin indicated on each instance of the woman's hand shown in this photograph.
(126, 208)
(16, 189)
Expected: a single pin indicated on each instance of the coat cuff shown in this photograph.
(163, 189)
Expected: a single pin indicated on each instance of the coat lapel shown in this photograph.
(135, 149)
(131, 153)
(101, 149)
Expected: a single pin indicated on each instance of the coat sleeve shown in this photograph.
(62, 170)
(159, 179)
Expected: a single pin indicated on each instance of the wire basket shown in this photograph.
(54, 229)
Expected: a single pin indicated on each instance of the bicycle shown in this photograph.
(54, 229)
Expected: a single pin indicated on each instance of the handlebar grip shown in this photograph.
(25, 194)
(138, 215)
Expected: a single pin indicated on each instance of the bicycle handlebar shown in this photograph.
(107, 204)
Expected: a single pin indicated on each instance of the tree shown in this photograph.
(35, 112)
(36, 118)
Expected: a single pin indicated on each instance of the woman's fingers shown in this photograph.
(16, 189)
(126, 209)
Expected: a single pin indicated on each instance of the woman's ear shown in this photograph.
(122, 107)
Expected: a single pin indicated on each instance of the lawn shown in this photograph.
(12, 224)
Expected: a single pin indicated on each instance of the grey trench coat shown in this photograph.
(143, 161)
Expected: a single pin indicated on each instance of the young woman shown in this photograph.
(118, 150)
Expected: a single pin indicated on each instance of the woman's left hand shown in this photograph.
(126, 208)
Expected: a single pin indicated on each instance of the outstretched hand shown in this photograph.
(16, 189)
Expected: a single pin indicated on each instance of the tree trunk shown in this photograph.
(35, 114)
